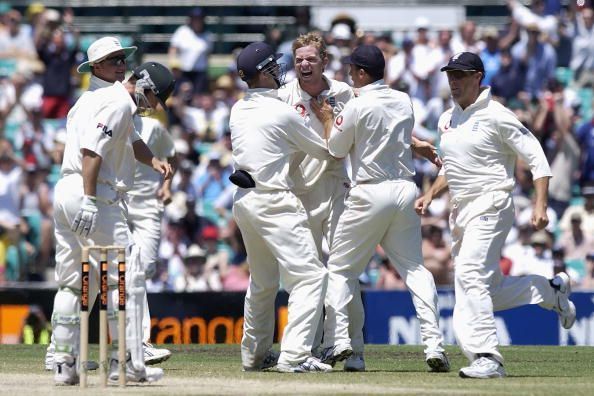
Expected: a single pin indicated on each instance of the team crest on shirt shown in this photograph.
(524, 130)
(475, 126)
(105, 129)
(332, 101)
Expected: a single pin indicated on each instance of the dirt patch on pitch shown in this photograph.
(42, 384)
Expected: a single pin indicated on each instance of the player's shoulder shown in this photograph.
(339, 87)
(286, 90)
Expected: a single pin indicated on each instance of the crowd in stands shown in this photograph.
(540, 65)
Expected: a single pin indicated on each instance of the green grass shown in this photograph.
(216, 369)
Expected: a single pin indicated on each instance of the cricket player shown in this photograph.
(321, 185)
(480, 141)
(107, 64)
(98, 169)
(375, 129)
(265, 134)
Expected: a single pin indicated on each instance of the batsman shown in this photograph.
(98, 169)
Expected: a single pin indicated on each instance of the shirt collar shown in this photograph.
(374, 86)
(96, 83)
(483, 98)
(261, 92)
(120, 88)
(307, 97)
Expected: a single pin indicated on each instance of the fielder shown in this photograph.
(98, 169)
(480, 141)
(107, 64)
(375, 129)
(265, 134)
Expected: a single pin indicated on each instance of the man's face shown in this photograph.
(112, 68)
(357, 76)
(461, 83)
(308, 64)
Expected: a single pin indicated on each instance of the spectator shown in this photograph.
(585, 138)
(198, 276)
(585, 210)
(539, 58)
(535, 16)
(59, 60)
(588, 279)
(17, 43)
(582, 61)
(389, 278)
(490, 55)
(510, 78)
(36, 329)
(236, 275)
(575, 241)
(466, 39)
(436, 255)
(191, 44)
(539, 260)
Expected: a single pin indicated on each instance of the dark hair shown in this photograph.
(374, 74)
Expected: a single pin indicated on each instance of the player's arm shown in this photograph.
(426, 150)
(302, 137)
(143, 154)
(91, 163)
(164, 193)
(437, 188)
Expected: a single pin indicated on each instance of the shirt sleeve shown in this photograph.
(100, 135)
(519, 139)
(302, 137)
(342, 136)
(164, 144)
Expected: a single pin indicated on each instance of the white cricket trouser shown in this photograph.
(144, 218)
(380, 213)
(479, 228)
(324, 203)
(279, 246)
(111, 229)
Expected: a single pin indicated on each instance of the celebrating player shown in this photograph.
(265, 134)
(98, 168)
(480, 141)
(376, 130)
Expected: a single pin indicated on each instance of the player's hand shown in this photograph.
(322, 110)
(163, 167)
(539, 218)
(86, 219)
(422, 203)
(427, 150)
(164, 194)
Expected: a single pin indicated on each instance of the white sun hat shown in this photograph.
(102, 48)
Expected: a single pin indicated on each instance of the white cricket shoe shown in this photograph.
(438, 362)
(154, 355)
(50, 360)
(355, 362)
(309, 365)
(483, 367)
(148, 374)
(270, 360)
(49, 357)
(65, 371)
(336, 353)
(564, 307)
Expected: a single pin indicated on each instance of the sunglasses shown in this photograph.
(115, 60)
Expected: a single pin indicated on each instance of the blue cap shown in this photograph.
(253, 58)
(465, 61)
(196, 12)
(368, 57)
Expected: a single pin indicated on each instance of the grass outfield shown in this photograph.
(216, 369)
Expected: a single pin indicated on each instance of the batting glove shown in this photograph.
(86, 218)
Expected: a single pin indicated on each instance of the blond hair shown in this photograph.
(314, 39)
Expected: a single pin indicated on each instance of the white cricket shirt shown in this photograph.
(376, 129)
(158, 140)
(305, 173)
(101, 121)
(265, 133)
(479, 146)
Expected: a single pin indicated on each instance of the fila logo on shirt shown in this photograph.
(105, 130)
